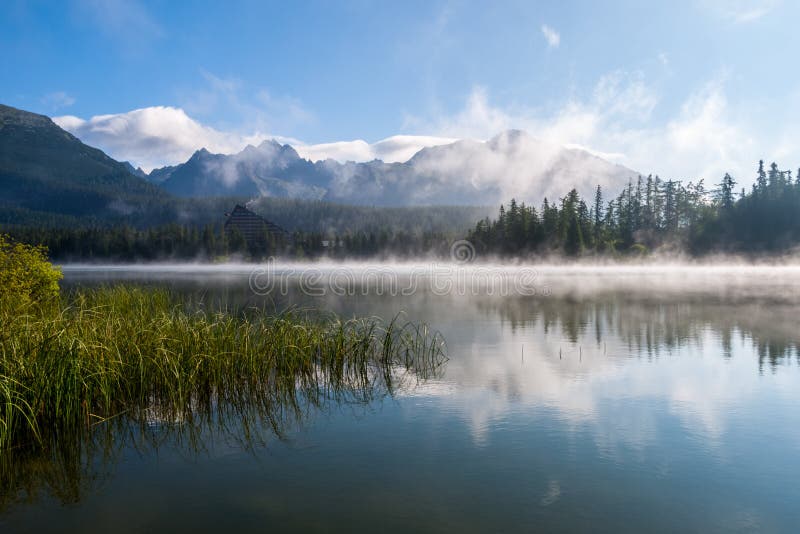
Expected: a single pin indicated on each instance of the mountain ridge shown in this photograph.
(512, 163)
(44, 168)
(51, 179)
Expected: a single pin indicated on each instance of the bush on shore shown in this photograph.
(26, 275)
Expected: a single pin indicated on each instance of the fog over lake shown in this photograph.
(634, 397)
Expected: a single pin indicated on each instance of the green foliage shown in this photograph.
(175, 242)
(134, 353)
(351, 231)
(236, 241)
(329, 218)
(652, 213)
(25, 273)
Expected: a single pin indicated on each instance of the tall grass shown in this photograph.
(99, 370)
(137, 354)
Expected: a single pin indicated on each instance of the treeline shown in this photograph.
(136, 213)
(317, 216)
(653, 213)
(192, 230)
(649, 213)
(331, 218)
(212, 243)
(127, 243)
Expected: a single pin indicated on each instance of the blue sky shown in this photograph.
(680, 88)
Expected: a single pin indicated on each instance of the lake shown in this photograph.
(624, 399)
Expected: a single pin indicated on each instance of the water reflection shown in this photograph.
(617, 397)
(621, 366)
(73, 459)
(656, 326)
(631, 330)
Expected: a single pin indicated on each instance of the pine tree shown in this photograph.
(597, 212)
(649, 207)
(671, 199)
(209, 241)
(761, 181)
(236, 241)
(725, 195)
(573, 244)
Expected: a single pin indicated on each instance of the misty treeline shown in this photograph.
(331, 219)
(306, 215)
(316, 228)
(212, 243)
(653, 213)
(649, 213)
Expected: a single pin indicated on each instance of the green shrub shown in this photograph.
(26, 275)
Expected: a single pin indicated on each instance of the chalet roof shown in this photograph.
(246, 219)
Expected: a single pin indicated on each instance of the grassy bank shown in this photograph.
(84, 359)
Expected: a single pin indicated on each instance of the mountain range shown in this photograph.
(466, 172)
(45, 170)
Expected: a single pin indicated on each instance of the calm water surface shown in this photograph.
(612, 399)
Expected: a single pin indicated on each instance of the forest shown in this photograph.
(647, 215)
(653, 214)
(213, 244)
(316, 228)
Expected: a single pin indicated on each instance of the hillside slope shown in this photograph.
(46, 169)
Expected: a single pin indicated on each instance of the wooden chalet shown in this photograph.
(251, 225)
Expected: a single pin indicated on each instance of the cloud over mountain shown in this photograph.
(704, 138)
(466, 172)
(620, 120)
(154, 136)
(397, 148)
(161, 135)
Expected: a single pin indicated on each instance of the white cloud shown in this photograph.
(161, 135)
(477, 120)
(742, 11)
(552, 37)
(702, 138)
(58, 100)
(622, 120)
(704, 134)
(625, 96)
(154, 136)
(397, 148)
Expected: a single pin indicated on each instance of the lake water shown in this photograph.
(622, 399)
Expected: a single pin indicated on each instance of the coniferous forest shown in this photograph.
(211, 243)
(651, 214)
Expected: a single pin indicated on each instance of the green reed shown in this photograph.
(139, 355)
